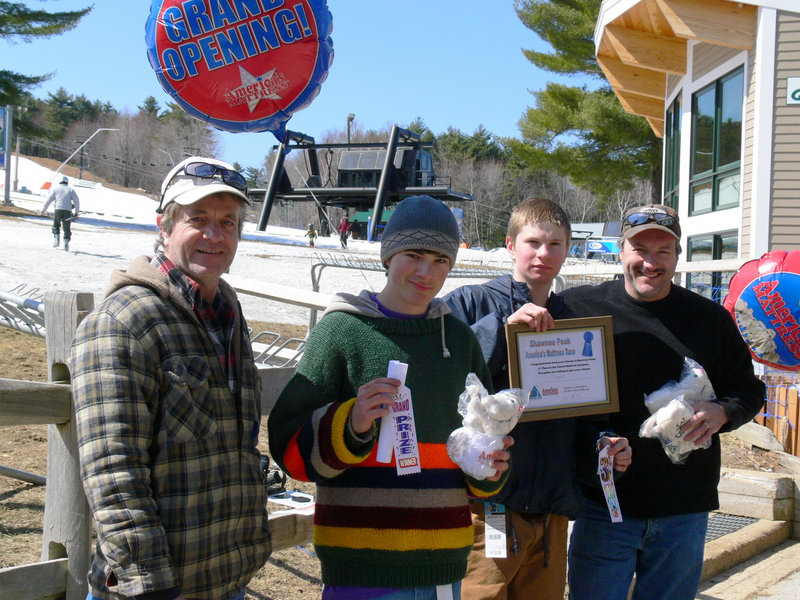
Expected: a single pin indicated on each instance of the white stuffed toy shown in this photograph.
(671, 406)
(487, 418)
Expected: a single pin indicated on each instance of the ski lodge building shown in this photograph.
(719, 81)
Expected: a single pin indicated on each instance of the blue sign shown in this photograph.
(602, 246)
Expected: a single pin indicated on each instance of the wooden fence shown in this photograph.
(66, 539)
(781, 411)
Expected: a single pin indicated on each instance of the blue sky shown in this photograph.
(453, 63)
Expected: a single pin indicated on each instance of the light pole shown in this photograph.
(350, 118)
(61, 166)
(80, 140)
(21, 110)
(171, 162)
(5, 130)
(16, 167)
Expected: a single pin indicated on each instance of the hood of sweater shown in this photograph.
(363, 305)
(141, 272)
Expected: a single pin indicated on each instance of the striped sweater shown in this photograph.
(372, 527)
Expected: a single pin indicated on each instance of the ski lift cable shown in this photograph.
(316, 201)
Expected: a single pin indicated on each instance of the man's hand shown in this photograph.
(708, 419)
(500, 458)
(44, 214)
(374, 399)
(534, 316)
(620, 449)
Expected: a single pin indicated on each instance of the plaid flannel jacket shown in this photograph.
(168, 455)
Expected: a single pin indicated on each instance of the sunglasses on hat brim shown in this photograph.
(208, 171)
(640, 218)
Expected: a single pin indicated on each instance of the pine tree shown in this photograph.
(579, 132)
(18, 22)
(151, 108)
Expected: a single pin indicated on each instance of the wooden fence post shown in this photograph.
(67, 520)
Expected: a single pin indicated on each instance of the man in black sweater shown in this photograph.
(664, 505)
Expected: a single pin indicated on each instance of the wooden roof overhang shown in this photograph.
(638, 42)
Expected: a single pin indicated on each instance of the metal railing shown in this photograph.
(464, 268)
(709, 278)
(467, 269)
(22, 309)
(271, 350)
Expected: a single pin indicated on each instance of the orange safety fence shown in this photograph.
(781, 412)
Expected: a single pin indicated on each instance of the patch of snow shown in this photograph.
(115, 227)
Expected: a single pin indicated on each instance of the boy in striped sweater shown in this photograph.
(380, 535)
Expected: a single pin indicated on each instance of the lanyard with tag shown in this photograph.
(444, 592)
(605, 469)
(494, 533)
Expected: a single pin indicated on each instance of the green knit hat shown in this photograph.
(420, 222)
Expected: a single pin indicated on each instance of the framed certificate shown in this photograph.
(568, 370)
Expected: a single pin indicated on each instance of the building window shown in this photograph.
(717, 144)
(672, 152)
(716, 246)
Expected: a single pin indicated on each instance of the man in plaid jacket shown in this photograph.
(167, 401)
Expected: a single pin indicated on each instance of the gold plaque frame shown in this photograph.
(563, 380)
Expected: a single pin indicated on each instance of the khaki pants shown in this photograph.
(522, 574)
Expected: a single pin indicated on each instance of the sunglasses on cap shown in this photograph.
(640, 218)
(205, 170)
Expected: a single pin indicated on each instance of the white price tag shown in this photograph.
(494, 533)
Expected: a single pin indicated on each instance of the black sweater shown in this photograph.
(651, 340)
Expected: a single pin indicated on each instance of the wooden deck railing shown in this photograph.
(66, 537)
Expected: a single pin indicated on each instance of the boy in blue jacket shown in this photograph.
(542, 493)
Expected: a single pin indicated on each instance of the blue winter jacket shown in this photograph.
(542, 478)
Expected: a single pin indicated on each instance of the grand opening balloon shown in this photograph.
(241, 65)
(764, 300)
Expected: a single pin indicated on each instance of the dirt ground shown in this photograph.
(291, 574)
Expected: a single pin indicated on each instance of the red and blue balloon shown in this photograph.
(241, 65)
(764, 300)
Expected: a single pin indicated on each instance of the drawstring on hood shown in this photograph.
(365, 306)
(445, 351)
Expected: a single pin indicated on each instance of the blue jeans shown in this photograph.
(666, 554)
(407, 593)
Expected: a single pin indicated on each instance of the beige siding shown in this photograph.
(708, 57)
(785, 209)
(747, 165)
